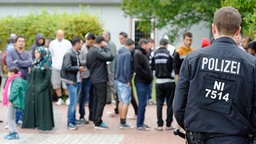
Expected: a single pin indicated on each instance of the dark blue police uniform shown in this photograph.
(216, 93)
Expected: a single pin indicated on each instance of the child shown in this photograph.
(13, 97)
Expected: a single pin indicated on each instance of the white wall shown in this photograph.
(199, 31)
(110, 15)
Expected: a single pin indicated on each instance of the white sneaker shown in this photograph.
(67, 101)
(59, 102)
(6, 127)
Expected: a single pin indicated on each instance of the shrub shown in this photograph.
(47, 24)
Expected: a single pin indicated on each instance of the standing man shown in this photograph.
(58, 48)
(149, 56)
(182, 52)
(123, 36)
(70, 74)
(21, 59)
(86, 84)
(123, 77)
(111, 67)
(96, 62)
(162, 63)
(143, 79)
(215, 99)
(39, 41)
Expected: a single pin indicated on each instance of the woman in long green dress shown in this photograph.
(38, 112)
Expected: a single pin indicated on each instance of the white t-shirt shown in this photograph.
(58, 49)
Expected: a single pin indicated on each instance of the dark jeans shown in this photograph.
(91, 103)
(133, 101)
(99, 101)
(142, 90)
(86, 86)
(164, 91)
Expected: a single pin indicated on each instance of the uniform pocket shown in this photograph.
(217, 93)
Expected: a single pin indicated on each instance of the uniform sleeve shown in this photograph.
(253, 110)
(176, 62)
(181, 93)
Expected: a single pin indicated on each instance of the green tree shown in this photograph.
(73, 24)
(177, 15)
(247, 11)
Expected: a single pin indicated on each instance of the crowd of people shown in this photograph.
(95, 70)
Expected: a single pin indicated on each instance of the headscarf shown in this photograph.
(45, 60)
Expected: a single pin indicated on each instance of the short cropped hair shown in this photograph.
(90, 36)
(252, 45)
(164, 42)
(129, 42)
(227, 20)
(76, 40)
(18, 37)
(124, 34)
(187, 34)
(142, 41)
(99, 39)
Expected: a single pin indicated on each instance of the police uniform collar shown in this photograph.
(224, 40)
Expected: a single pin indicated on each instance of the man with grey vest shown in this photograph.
(86, 84)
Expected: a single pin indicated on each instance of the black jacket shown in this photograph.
(142, 70)
(216, 90)
(70, 67)
(162, 63)
(96, 62)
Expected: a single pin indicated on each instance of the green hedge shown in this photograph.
(48, 24)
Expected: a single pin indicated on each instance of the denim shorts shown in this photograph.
(123, 92)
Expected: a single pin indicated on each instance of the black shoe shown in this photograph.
(84, 121)
(1, 121)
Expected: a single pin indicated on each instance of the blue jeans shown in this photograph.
(142, 90)
(86, 86)
(149, 92)
(73, 91)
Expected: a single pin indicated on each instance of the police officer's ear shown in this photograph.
(238, 31)
(214, 31)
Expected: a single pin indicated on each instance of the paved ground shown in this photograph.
(88, 135)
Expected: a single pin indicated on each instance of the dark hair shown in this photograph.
(142, 41)
(99, 39)
(187, 34)
(49, 39)
(247, 38)
(252, 45)
(227, 20)
(18, 37)
(124, 34)
(90, 36)
(164, 42)
(76, 40)
(129, 42)
(151, 40)
(13, 69)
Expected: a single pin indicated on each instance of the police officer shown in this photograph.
(215, 98)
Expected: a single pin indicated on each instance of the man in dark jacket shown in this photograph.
(70, 74)
(162, 63)
(143, 79)
(123, 76)
(40, 40)
(96, 63)
(215, 97)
